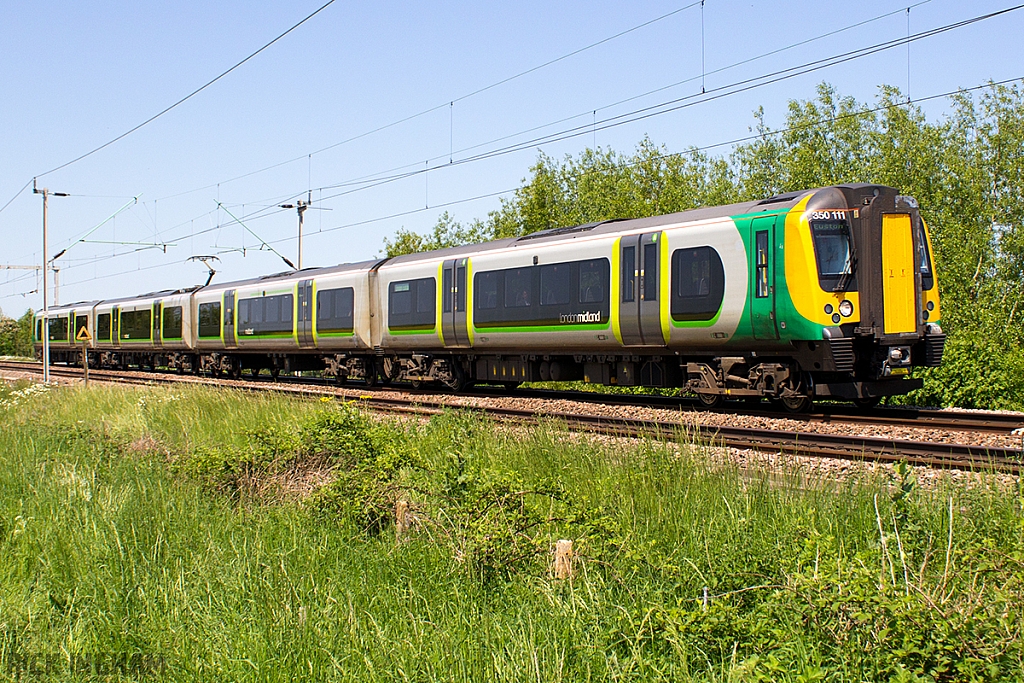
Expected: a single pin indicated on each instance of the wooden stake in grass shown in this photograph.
(564, 560)
(403, 520)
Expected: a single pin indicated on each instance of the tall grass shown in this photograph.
(126, 530)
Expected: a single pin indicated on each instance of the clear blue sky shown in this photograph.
(75, 75)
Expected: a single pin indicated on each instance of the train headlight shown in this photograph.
(846, 308)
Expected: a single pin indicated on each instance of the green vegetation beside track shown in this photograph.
(193, 534)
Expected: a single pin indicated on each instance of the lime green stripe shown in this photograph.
(544, 328)
(614, 289)
(417, 330)
(439, 324)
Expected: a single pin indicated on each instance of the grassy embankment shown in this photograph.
(198, 529)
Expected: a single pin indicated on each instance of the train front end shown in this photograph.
(860, 270)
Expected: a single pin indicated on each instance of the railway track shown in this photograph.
(795, 442)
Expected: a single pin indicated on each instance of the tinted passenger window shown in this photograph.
(628, 274)
(58, 329)
(265, 315)
(412, 304)
(554, 285)
(209, 319)
(518, 287)
(334, 310)
(136, 324)
(573, 292)
(172, 322)
(486, 290)
(698, 284)
(103, 326)
(650, 278)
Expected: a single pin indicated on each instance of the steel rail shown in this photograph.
(861, 448)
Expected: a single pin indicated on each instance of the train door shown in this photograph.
(899, 283)
(762, 278)
(115, 326)
(156, 324)
(229, 318)
(304, 319)
(454, 322)
(639, 290)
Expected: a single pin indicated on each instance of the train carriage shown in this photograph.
(64, 325)
(827, 293)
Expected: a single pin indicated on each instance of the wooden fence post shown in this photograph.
(564, 567)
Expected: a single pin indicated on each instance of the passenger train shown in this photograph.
(825, 293)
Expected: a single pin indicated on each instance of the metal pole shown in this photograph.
(46, 301)
(300, 234)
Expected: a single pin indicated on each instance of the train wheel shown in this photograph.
(797, 404)
(867, 403)
(254, 373)
(711, 401)
(236, 371)
(275, 372)
(389, 370)
(370, 372)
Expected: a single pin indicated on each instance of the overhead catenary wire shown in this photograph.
(181, 101)
(666, 107)
(357, 181)
(687, 152)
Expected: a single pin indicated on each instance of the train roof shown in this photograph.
(297, 274)
(780, 202)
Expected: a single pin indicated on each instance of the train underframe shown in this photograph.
(861, 371)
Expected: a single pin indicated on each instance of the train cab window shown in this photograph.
(924, 262)
(698, 284)
(486, 290)
(172, 322)
(628, 274)
(209, 319)
(58, 329)
(554, 284)
(650, 278)
(592, 282)
(103, 326)
(833, 252)
(335, 310)
(761, 264)
(412, 304)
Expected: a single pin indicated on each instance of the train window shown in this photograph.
(103, 326)
(628, 274)
(58, 329)
(80, 322)
(554, 285)
(172, 322)
(571, 292)
(265, 314)
(650, 279)
(39, 329)
(832, 250)
(698, 284)
(924, 262)
(761, 264)
(518, 287)
(592, 281)
(136, 324)
(460, 288)
(209, 319)
(335, 310)
(446, 290)
(412, 304)
(486, 290)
